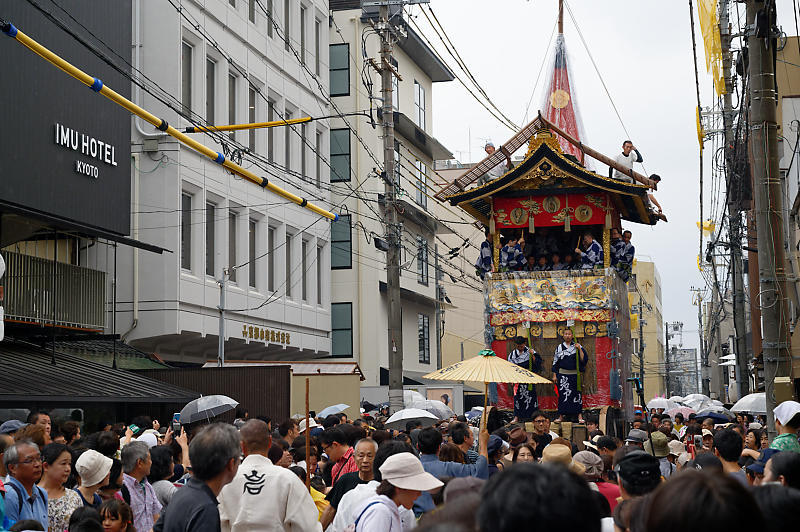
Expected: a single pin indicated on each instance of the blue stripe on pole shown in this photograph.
(97, 85)
(220, 158)
(335, 217)
(11, 31)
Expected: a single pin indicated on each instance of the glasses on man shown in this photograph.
(540, 421)
(31, 460)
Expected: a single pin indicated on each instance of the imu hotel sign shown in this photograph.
(87, 146)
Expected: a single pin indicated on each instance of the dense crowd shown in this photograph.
(338, 475)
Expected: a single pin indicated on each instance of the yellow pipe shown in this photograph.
(255, 125)
(97, 86)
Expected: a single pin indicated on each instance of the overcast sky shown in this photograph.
(643, 51)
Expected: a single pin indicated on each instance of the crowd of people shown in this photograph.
(542, 251)
(667, 474)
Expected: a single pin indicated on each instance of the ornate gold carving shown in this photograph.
(562, 214)
(532, 206)
(543, 136)
(500, 216)
(606, 248)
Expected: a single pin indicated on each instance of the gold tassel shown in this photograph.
(491, 217)
(567, 217)
(531, 223)
(608, 213)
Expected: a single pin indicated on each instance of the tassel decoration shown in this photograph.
(567, 217)
(491, 217)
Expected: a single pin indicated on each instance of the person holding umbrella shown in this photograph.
(568, 363)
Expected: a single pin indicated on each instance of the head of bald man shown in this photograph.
(255, 437)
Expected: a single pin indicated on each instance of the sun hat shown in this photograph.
(660, 446)
(405, 471)
(12, 425)
(592, 444)
(149, 439)
(93, 467)
(707, 432)
(311, 424)
(560, 454)
(591, 462)
(754, 425)
(636, 435)
(676, 448)
(785, 411)
(683, 458)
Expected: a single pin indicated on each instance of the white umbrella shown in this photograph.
(754, 403)
(399, 419)
(435, 407)
(662, 402)
(676, 398)
(697, 401)
(331, 410)
(411, 396)
(206, 407)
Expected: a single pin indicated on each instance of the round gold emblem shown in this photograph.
(551, 204)
(559, 98)
(583, 213)
(518, 216)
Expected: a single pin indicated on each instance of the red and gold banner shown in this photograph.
(551, 210)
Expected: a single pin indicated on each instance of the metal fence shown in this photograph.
(39, 291)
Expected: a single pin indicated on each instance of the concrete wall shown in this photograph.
(324, 391)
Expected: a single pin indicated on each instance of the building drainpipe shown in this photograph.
(137, 62)
(135, 233)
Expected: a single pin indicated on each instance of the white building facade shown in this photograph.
(228, 62)
(359, 304)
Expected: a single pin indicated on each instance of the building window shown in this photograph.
(419, 104)
(186, 231)
(341, 243)
(342, 329)
(304, 277)
(340, 155)
(304, 150)
(211, 89)
(251, 252)
(271, 259)
(422, 184)
(287, 141)
(319, 275)
(423, 332)
(288, 265)
(286, 23)
(302, 35)
(186, 77)
(232, 246)
(339, 65)
(232, 104)
(210, 234)
(270, 130)
(251, 11)
(269, 18)
(251, 116)
(422, 260)
(317, 44)
(318, 158)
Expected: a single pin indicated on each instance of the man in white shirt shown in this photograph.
(263, 496)
(499, 169)
(626, 160)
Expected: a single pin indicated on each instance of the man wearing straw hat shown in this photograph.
(569, 361)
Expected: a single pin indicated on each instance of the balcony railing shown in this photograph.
(78, 299)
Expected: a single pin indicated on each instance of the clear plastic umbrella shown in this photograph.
(399, 419)
(435, 407)
(334, 409)
(662, 402)
(754, 403)
(206, 407)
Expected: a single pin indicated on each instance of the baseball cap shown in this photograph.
(638, 467)
(12, 425)
(636, 435)
(707, 432)
(763, 458)
(495, 444)
(404, 470)
(92, 467)
(149, 439)
(488, 143)
(785, 411)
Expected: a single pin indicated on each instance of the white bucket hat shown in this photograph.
(311, 424)
(93, 467)
(785, 411)
(405, 471)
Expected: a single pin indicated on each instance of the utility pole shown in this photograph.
(221, 307)
(641, 340)
(768, 197)
(393, 230)
(704, 381)
(734, 215)
(666, 359)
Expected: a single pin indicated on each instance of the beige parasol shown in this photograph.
(486, 367)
